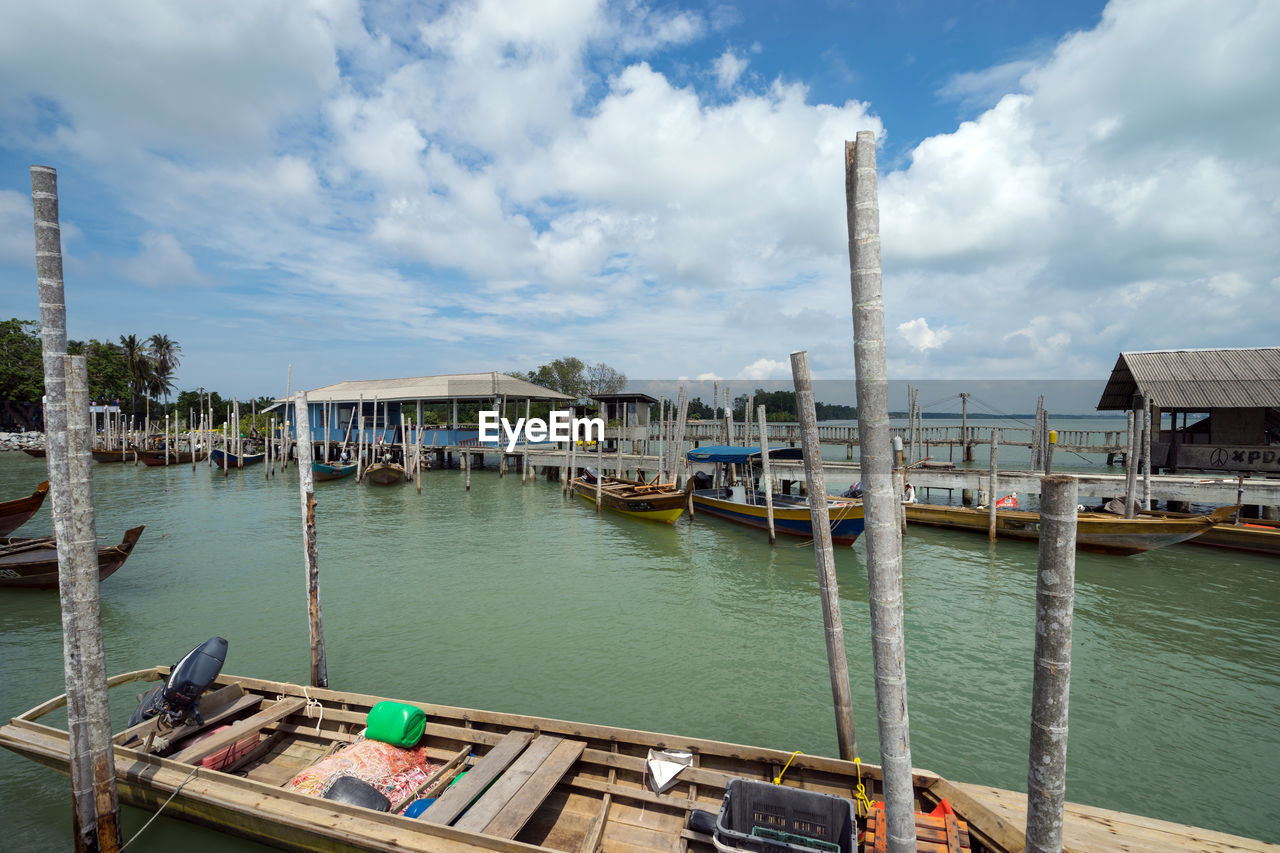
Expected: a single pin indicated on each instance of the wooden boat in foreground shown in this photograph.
(33, 563)
(650, 501)
(385, 473)
(234, 461)
(1100, 532)
(332, 470)
(154, 458)
(742, 504)
(15, 513)
(530, 783)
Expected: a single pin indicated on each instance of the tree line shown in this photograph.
(778, 405)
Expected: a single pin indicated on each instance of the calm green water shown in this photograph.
(512, 598)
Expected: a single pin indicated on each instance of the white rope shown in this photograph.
(157, 814)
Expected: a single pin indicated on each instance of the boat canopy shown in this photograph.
(735, 455)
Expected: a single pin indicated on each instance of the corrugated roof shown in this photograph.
(451, 386)
(1196, 379)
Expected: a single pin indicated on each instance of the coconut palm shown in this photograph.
(164, 353)
(137, 364)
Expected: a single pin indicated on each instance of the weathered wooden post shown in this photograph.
(884, 547)
(319, 670)
(466, 458)
(824, 556)
(599, 470)
(992, 497)
(1146, 453)
(1131, 465)
(767, 485)
(96, 823)
(1055, 598)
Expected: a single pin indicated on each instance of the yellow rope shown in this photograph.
(777, 780)
(864, 804)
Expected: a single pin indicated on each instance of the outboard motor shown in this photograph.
(854, 491)
(588, 475)
(702, 481)
(178, 699)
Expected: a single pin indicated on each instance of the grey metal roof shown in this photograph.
(1196, 379)
(452, 386)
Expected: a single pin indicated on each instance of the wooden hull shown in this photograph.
(1101, 533)
(234, 461)
(37, 452)
(156, 458)
(597, 797)
(790, 514)
(332, 471)
(109, 456)
(15, 513)
(384, 474)
(1258, 536)
(631, 497)
(37, 567)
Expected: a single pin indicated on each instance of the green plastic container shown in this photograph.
(395, 723)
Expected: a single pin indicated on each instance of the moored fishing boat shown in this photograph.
(313, 768)
(744, 504)
(234, 461)
(1099, 532)
(385, 473)
(108, 456)
(15, 513)
(154, 458)
(33, 563)
(37, 452)
(1257, 535)
(650, 501)
(332, 470)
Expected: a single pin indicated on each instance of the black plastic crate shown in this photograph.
(757, 817)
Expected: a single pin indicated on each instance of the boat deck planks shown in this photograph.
(1088, 829)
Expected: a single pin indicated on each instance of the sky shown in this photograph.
(302, 193)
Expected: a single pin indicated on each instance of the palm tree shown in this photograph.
(136, 358)
(164, 353)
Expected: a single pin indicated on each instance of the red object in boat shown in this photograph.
(226, 756)
(1008, 502)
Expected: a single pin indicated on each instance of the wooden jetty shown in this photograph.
(552, 785)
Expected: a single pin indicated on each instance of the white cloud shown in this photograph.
(161, 262)
(728, 69)
(918, 334)
(766, 368)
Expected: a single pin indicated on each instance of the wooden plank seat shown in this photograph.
(256, 723)
(522, 778)
(215, 707)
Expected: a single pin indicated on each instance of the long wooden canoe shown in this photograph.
(652, 502)
(33, 563)
(234, 461)
(37, 452)
(15, 513)
(154, 458)
(108, 456)
(531, 784)
(1098, 532)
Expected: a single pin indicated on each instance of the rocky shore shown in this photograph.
(19, 440)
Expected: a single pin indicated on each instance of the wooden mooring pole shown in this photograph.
(1131, 465)
(319, 670)
(95, 809)
(823, 555)
(767, 478)
(992, 493)
(1051, 684)
(881, 500)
